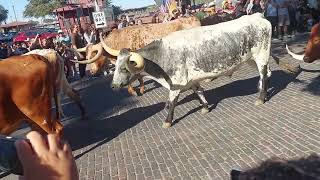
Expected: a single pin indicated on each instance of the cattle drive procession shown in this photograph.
(160, 89)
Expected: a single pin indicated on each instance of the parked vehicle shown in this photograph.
(29, 34)
(8, 37)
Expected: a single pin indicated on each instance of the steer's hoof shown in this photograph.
(259, 102)
(141, 90)
(166, 125)
(133, 93)
(204, 110)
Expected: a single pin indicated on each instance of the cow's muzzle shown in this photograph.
(307, 59)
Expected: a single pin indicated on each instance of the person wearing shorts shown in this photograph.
(284, 19)
(272, 16)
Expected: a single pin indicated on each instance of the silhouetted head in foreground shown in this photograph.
(278, 169)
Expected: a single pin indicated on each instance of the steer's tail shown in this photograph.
(55, 95)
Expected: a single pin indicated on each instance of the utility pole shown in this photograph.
(14, 12)
(97, 8)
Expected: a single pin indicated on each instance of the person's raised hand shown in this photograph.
(46, 157)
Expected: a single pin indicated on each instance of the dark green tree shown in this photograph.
(116, 10)
(41, 8)
(108, 3)
(3, 14)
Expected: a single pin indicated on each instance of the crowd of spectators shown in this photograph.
(77, 37)
(286, 16)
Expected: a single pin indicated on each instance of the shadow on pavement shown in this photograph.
(154, 86)
(314, 86)
(99, 101)
(83, 133)
(279, 81)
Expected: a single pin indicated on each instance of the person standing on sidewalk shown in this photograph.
(292, 8)
(88, 34)
(284, 20)
(77, 41)
(253, 6)
(272, 17)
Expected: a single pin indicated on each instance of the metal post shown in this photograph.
(14, 11)
(97, 8)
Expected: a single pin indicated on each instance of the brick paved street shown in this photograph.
(123, 137)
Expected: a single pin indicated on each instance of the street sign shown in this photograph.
(99, 19)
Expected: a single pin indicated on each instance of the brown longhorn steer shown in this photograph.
(133, 38)
(27, 89)
(62, 85)
(312, 51)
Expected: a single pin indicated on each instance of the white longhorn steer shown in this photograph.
(181, 60)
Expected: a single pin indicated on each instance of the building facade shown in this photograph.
(79, 12)
(16, 26)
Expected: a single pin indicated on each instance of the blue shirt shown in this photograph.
(65, 39)
(282, 10)
(271, 10)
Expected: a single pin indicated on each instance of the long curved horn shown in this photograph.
(79, 55)
(136, 63)
(96, 47)
(295, 56)
(113, 52)
(82, 49)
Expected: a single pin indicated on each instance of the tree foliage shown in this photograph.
(41, 8)
(108, 3)
(3, 14)
(116, 10)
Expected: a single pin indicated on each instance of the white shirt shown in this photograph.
(88, 38)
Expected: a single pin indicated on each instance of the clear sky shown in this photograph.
(126, 4)
(20, 5)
